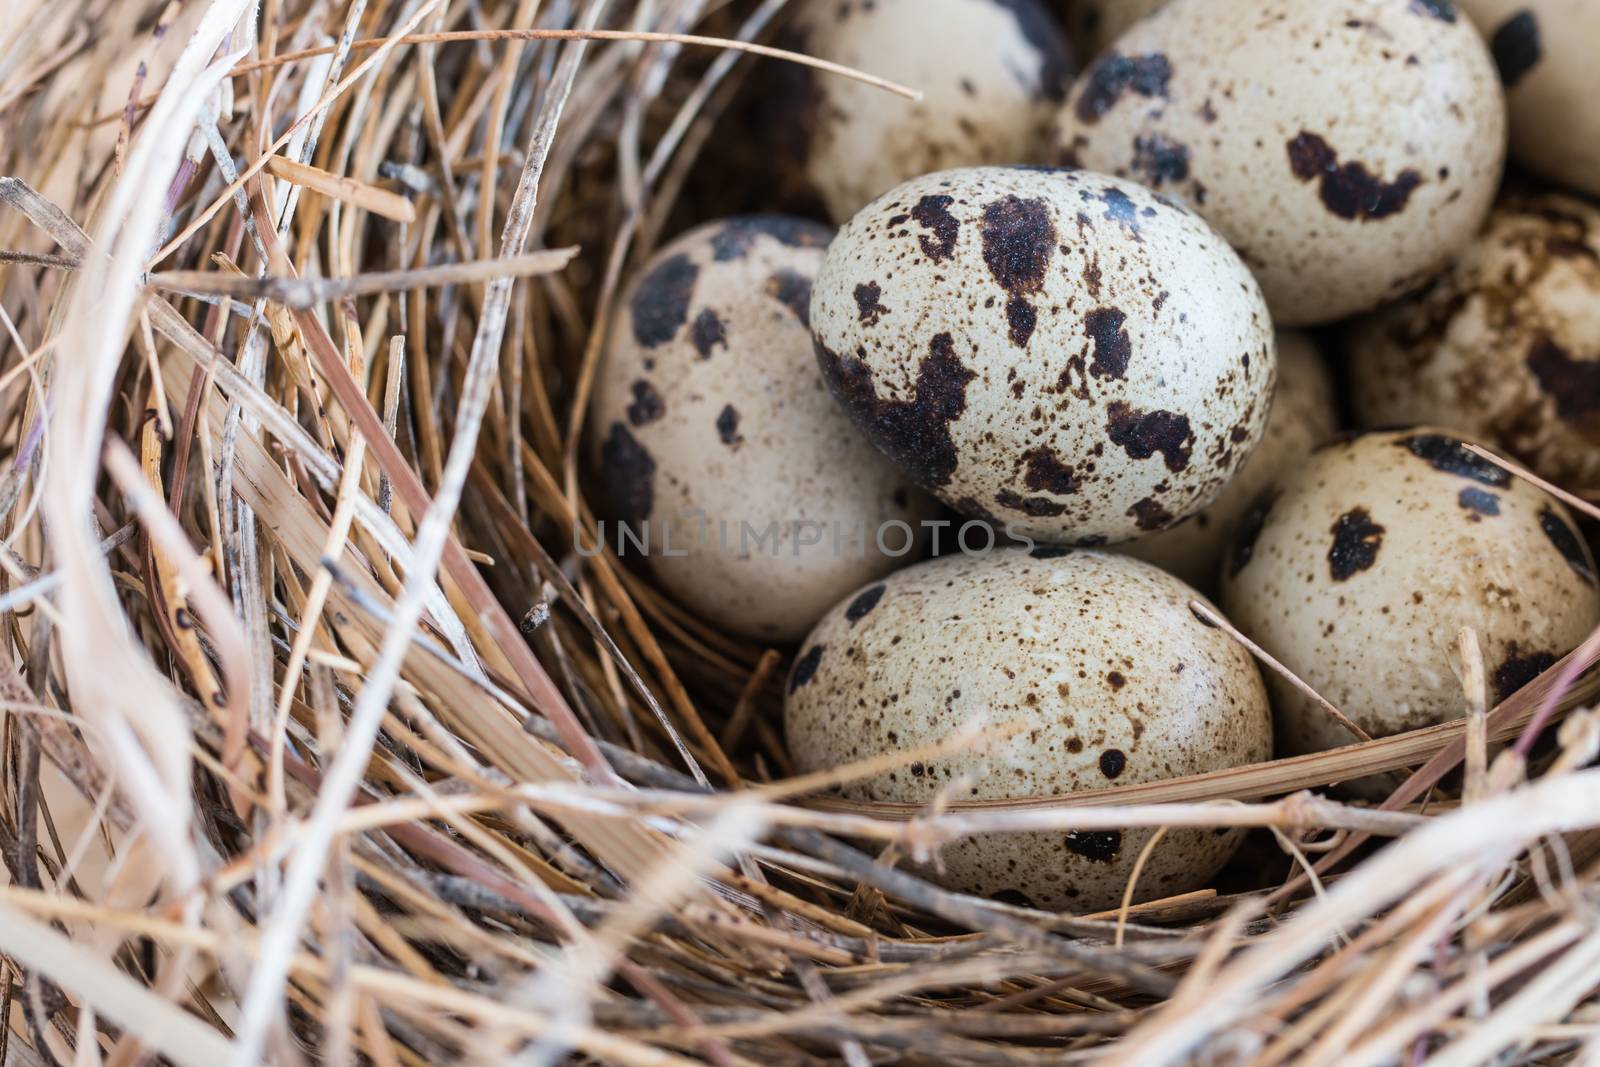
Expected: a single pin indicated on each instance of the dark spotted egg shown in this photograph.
(1504, 345)
(1062, 352)
(1358, 569)
(992, 74)
(1099, 661)
(716, 442)
(1347, 150)
(1545, 51)
(1305, 413)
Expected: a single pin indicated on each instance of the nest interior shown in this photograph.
(322, 742)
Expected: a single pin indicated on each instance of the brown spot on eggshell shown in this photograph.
(793, 290)
(932, 213)
(728, 426)
(1443, 10)
(1112, 347)
(708, 332)
(1449, 455)
(1567, 543)
(867, 305)
(660, 305)
(1047, 473)
(1114, 74)
(1520, 669)
(647, 404)
(1112, 762)
(1141, 434)
(1516, 47)
(1099, 846)
(1349, 190)
(805, 668)
(864, 602)
(1356, 540)
(1160, 160)
(914, 433)
(737, 235)
(1574, 384)
(1151, 514)
(1478, 503)
(630, 470)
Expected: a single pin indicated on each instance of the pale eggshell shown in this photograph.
(1359, 569)
(992, 73)
(1505, 345)
(1348, 150)
(709, 415)
(1305, 413)
(1545, 50)
(1093, 24)
(1064, 353)
(1098, 655)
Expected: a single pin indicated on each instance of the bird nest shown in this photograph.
(323, 742)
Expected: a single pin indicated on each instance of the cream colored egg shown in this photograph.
(1359, 569)
(1505, 345)
(1093, 24)
(1068, 354)
(1304, 414)
(1545, 50)
(1347, 150)
(716, 442)
(992, 74)
(1099, 658)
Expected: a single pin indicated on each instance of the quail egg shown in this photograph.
(992, 74)
(1068, 354)
(757, 503)
(1347, 150)
(1358, 570)
(1098, 657)
(1504, 345)
(1304, 414)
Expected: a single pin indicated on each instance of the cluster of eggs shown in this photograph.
(1061, 312)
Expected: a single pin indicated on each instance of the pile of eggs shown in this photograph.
(1058, 375)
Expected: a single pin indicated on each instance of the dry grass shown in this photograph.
(296, 332)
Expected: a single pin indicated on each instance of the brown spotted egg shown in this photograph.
(1062, 352)
(1098, 658)
(1358, 569)
(1304, 414)
(1348, 149)
(1504, 345)
(992, 74)
(1093, 24)
(718, 444)
(1546, 50)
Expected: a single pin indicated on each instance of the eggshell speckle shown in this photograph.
(1358, 570)
(1304, 414)
(1062, 352)
(714, 436)
(1505, 345)
(992, 74)
(1545, 51)
(1347, 150)
(1115, 681)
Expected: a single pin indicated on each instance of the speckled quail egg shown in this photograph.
(1062, 352)
(1504, 345)
(1093, 24)
(1099, 658)
(1546, 50)
(992, 73)
(1358, 570)
(1347, 150)
(1304, 414)
(714, 436)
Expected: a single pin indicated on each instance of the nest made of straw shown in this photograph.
(320, 743)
